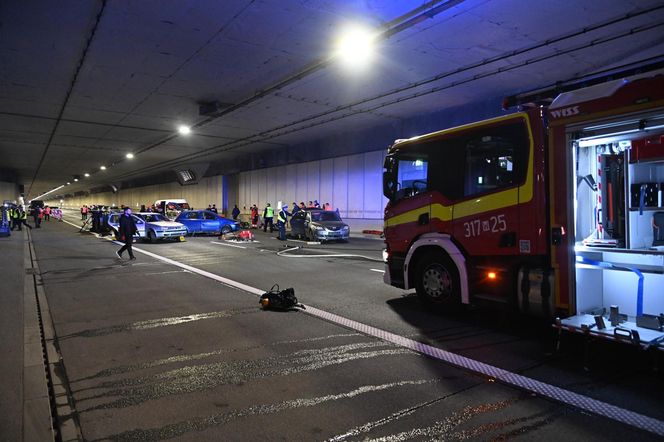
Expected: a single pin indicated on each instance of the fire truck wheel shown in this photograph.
(437, 280)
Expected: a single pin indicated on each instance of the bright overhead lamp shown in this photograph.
(103, 167)
(130, 155)
(184, 130)
(355, 47)
(75, 179)
(86, 174)
(68, 183)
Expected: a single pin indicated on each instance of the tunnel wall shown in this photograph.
(350, 183)
(8, 191)
(208, 191)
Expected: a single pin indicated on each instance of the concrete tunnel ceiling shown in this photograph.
(83, 83)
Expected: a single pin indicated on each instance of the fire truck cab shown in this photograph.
(555, 211)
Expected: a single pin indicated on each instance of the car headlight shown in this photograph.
(319, 228)
(345, 228)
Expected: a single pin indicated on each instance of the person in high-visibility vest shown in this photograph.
(23, 219)
(16, 218)
(268, 216)
(282, 218)
(12, 215)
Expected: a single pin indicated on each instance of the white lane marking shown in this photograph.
(377, 270)
(218, 278)
(70, 223)
(523, 382)
(546, 390)
(172, 271)
(226, 281)
(227, 245)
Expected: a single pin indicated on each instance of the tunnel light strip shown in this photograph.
(543, 389)
(50, 191)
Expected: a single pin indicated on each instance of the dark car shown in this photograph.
(320, 225)
(205, 221)
(36, 203)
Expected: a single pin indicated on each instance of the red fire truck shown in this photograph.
(553, 211)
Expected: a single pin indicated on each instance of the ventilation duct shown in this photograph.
(190, 173)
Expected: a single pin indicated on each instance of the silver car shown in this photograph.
(319, 225)
(157, 226)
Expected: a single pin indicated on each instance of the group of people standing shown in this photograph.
(282, 214)
(19, 216)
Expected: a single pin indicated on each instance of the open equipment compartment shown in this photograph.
(615, 177)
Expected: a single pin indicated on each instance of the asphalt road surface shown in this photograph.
(159, 348)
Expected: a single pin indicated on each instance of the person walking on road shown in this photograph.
(37, 214)
(23, 219)
(268, 216)
(126, 230)
(14, 216)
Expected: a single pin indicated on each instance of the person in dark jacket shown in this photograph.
(268, 216)
(37, 215)
(126, 230)
(282, 219)
(236, 212)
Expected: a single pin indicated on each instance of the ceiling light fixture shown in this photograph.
(184, 130)
(75, 179)
(68, 183)
(355, 47)
(86, 174)
(103, 167)
(130, 155)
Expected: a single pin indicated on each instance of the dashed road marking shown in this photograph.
(377, 270)
(172, 271)
(228, 245)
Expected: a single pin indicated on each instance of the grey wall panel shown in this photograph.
(279, 184)
(313, 180)
(373, 192)
(253, 182)
(302, 189)
(356, 186)
(8, 191)
(291, 183)
(350, 183)
(242, 190)
(262, 187)
(340, 189)
(327, 182)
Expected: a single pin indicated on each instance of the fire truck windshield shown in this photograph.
(405, 176)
